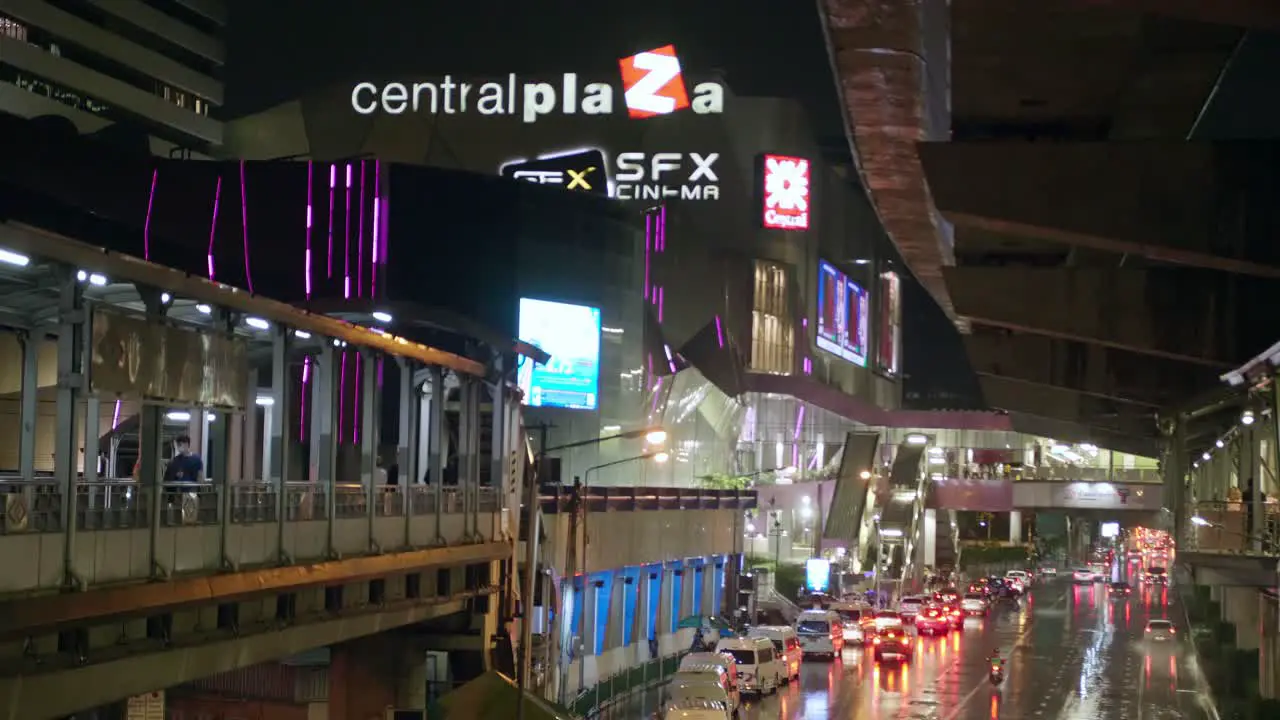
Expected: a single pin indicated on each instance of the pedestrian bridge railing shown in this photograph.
(122, 530)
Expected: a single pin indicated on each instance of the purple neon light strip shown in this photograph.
(671, 361)
(302, 400)
(306, 261)
(333, 179)
(346, 245)
(795, 456)
(799, 423)
(719, 332)
(360, 239)
(213, 224)
(146, 224)
(355, 405)
(648, 240)
(342, 395)
(662, 229)
(244, 225)
(377, 203)
(115, 416)
(380, 369)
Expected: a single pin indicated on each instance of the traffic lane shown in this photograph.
(1115, 672)
(942, 680)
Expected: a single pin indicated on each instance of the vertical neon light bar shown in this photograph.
(648, 240)
(355, 404)
(342, 396)
(377, 202)
(213, 225)
(719, 332)
(306, 277)
(333, 180)
(662, 229)
(146, 223)
(799, 423)
(360, 238)
(302, 399)
(115, 416)
(346, 246)
(244, 225)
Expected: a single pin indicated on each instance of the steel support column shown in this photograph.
(407, 447)
(324, 447)
(151, 475)
(249, 434)
(466, 451)
(369, 440)
(277, 450)
(73, 385)
(30, 405)
(436, 444)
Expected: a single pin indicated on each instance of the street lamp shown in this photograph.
(658, 456)
(654, 435)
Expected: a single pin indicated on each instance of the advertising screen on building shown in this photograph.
(843, 315)
(890, 345)
(571, 335)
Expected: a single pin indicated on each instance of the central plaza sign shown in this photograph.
(652, 84)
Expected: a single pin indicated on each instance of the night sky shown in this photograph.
(282, 49)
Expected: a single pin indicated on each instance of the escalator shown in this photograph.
(852, 503)
(902, 516)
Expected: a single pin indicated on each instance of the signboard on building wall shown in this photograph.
(148, 706)
(656, 176)
(785, 193)
(136, 358)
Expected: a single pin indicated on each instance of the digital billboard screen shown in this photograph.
(844, 309)
(570, 334)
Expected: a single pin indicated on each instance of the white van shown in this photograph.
(683, 689)
(786, 645)
(821, 632)
(1021, 576)
(760, 670)
(694, 673)
(724, 660)
(697, 710)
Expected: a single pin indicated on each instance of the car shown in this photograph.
(1160, 631)
(980, 588)
(1119, 589)
(955, 615)
(698, 709)
(974, 604)
(1021, 576)
(888, 620)
(909, 607)
(854, 616)
(1049, 571)
(932, 620)
(1082, 575)
(947, 595)
(892, 642)
(1157, 576)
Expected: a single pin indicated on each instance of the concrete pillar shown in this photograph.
(73, 386)
(930, 538)
(1015, 527)
(362, 676)
(1269, 657)
(1240, 608)
(324, 394)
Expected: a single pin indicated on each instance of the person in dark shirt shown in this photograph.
(185, 466)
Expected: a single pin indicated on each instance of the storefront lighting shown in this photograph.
(917, 439)
(178, 415)
(257, 323)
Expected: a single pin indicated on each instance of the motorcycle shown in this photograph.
(997, 674)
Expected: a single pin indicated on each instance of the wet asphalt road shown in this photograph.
(1073, 653)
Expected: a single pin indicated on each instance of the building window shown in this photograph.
(772, 331)
(12, 29)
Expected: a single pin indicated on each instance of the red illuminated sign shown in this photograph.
(652, 83)
(786, 193)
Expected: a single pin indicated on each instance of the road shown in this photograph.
(1073, 654)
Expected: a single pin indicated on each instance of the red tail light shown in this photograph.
(1173, 631)
(877, 641)
(956, 613)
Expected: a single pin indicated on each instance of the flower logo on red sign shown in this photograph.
(786, 193)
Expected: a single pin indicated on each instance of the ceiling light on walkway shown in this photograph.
(382, 317)
(1247, 417)
(9, 257)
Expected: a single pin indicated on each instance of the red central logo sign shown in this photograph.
(652, 83)
(786, 193)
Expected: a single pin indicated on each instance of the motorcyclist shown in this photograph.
(995, 659)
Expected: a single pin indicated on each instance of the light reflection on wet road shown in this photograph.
(1073, 654)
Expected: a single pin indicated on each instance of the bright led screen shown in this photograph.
(844, 309)
(571, 335)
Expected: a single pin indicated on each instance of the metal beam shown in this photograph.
(23, 617)
(38, 243)
(1083, 194)
(1092, 370)
(1159, 317)
(1014, 396)
(1075, 432)
(61, 693)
